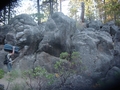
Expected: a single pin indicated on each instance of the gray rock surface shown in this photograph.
(96, 50)
(42, 45)
(3, 31)
(111, 80)
(95, 24)
(116, 59)
(59, 37)
(106, 28)
(43, 59)
(2, 87)
(25, 32)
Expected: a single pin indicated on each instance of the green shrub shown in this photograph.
(18, 86)
(1, 73)
(64, 55)
(57, 65)
(75, 55)
(11, 76)
(37, 76)
(65, 69)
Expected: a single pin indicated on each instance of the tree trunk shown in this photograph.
(82, 11)
(51, 7)
(104, 13)
(9, 9)
(57, 5)
(60, 5)
(38, 9)
(4, 16)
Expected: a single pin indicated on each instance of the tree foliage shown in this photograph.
(51, 5)
(108, 10)
(44, 9)
(75, 8)
(38, 77)
(8, 11)
(104, 10)
(65, 70)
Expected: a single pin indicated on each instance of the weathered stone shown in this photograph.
(59, 39)
(111, 79)
(43, 59)
(24, 19)
(96, 50)
(10, 38)
(26, 32)
(113, 30)
(95, 24)
(2, 37)
(105, 28)
(3, 31)
(117, 37)
(2, 87)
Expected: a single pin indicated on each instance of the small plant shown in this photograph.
(1, 73)
(58, 65)
(75, 59)
(62, 73)
(61, 66)
(65, 69)
(17, 86)
(75, 55)
(37, 77)
(11, 76)
(64, 55)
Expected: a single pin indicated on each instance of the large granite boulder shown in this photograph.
(116, 58)
(96, 51)
(113, 27)
(2, 87)
(3, 31)
(59, 30)
(111, 81)
(95, 46)
(95, 24)
(41, 59)
(2, 58)
(105, 28)
(23, 32)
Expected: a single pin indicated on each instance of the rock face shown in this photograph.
(6, 29)
(96, 50)
(116, 58)
(98, 45)
(2, 57)
(111, 80)
(95, 24)
(59, 30)
(1, 87)
(42, 59)
(24, 32)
